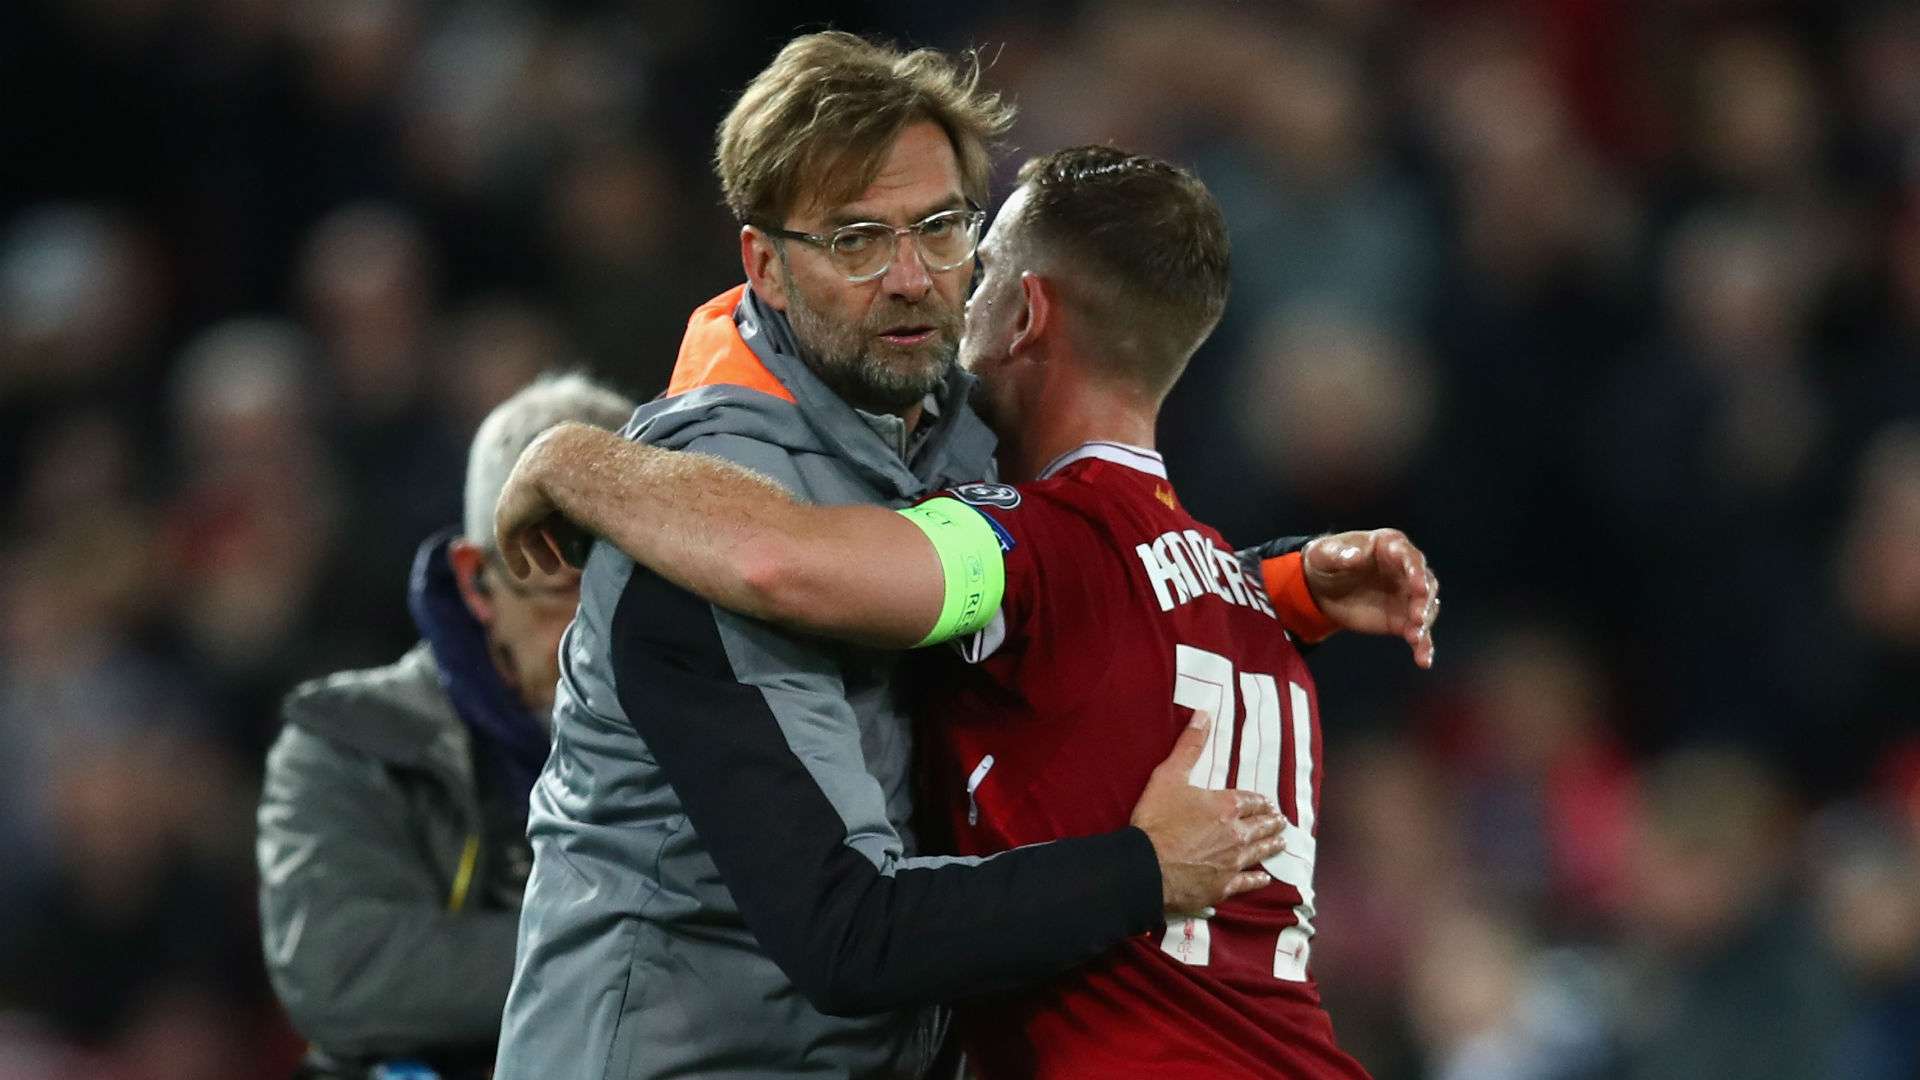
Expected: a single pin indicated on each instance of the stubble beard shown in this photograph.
(865, 371)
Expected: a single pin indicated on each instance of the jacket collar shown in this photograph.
(737, 340)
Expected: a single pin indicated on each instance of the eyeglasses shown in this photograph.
(864, 251)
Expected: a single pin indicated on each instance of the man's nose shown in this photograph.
(908, 277)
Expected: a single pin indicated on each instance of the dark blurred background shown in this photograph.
(1613, 305)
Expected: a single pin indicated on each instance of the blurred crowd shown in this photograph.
(1613, 305)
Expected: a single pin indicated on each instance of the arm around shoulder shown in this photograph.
(856, 928)
(712, 520)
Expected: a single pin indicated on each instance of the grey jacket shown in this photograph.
(723, 879)
(376, 940)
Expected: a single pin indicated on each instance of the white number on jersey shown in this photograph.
(1205, 682)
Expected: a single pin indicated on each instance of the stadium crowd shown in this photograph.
(1614, 307)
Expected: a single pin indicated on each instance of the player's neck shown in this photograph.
(1088, 413)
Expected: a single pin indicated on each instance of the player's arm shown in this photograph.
(739, 540)
(1278, 564)
(728, 705)
(1373, 581)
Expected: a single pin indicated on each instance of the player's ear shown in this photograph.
(1037, 313)
(469, 562)
(760, 259)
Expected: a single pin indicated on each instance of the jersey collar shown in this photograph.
(1133, 457)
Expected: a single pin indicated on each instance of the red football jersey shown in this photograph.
(1123, 616)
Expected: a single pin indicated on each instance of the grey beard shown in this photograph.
(865, 383)
(841, 357)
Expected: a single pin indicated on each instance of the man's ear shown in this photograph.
(761, 260)
(469, 562)
(1039, 316)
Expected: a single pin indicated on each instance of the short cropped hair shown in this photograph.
(815, 126)
(1149, 249)
(551, 399)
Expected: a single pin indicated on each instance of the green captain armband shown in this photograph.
(970, 559)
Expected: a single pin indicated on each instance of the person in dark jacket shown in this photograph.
(392, 827)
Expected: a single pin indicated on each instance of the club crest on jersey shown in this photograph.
(983, 494)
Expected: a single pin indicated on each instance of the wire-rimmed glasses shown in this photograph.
(865, 250)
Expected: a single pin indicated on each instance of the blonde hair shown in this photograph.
(815, 126)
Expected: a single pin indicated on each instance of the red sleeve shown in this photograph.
(1038, 534)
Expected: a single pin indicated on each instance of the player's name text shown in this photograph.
(1184, 566)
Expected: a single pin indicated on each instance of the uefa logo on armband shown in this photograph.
(983, 494)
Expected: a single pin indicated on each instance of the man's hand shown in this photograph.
(1206, 840)
(1375, 582)
(524, 516)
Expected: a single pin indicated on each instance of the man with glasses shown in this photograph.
(392, 845)
(1093, 586)
(723, 881)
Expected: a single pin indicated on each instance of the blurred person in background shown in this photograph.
(1321, 215)
(1488, 1004)
(255, 521)
(121, 873)
(1867, 879)
(392, 827)
(124, 949)
(612, 254)
(129, 950)
(1877, 577)
(1532, 309)
(78, 300)
(81, 305)
(1336, 414)
(368, 282)
(1337, 411)
(1390, 857)
(1545, 792)
(1711, 440)
(490, 349)
(1727, 978)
